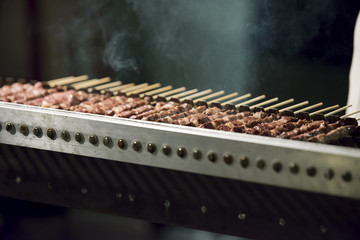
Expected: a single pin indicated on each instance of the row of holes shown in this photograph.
(166, 150)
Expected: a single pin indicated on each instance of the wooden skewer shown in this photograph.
(279, 104)
(196, 94)
(264, 103)
(86, 81)
(165, 94)
(135, 87)
(141, 89)
(251, 100)
(210, 96)
(90, 83)
(324, 110)
(123, 90)
(69, 81)
(224, 97)
(294, 106)
(309, 107)
(108, 85)
(99, 82)
(183, 94)
(159, 90)
(337, 110)
(55, 81)
(121, 87)
(237, 99)
(348, 115)
(150, 87)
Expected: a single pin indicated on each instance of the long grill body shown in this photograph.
(206, 179)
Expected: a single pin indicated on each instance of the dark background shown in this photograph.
(282, 48)
(299, 49)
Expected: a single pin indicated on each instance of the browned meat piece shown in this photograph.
(107, 105)
(91, 105)
(14, 88)
(238, 129)
(61, 100)
(159, 106)
(135, 111)
(169, 112)
(213, 121)
(301, 129)
(274, 128)
(214, 124)
(129, 104)
(333, 135)
(321, 129)
(212, 111)
(191, 120)
(191, 111)
(224, 127)
(22, 93)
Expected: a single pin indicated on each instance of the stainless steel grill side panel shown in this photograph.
(322, 157)
(174, 197)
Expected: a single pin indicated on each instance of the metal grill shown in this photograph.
(180, 175)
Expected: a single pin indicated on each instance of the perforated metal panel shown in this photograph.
(320, 168)
(175, 197)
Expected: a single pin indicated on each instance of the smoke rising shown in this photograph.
(227, 43)
(117, 54)
(234, 45)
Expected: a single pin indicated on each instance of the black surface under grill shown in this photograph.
(173, 197)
